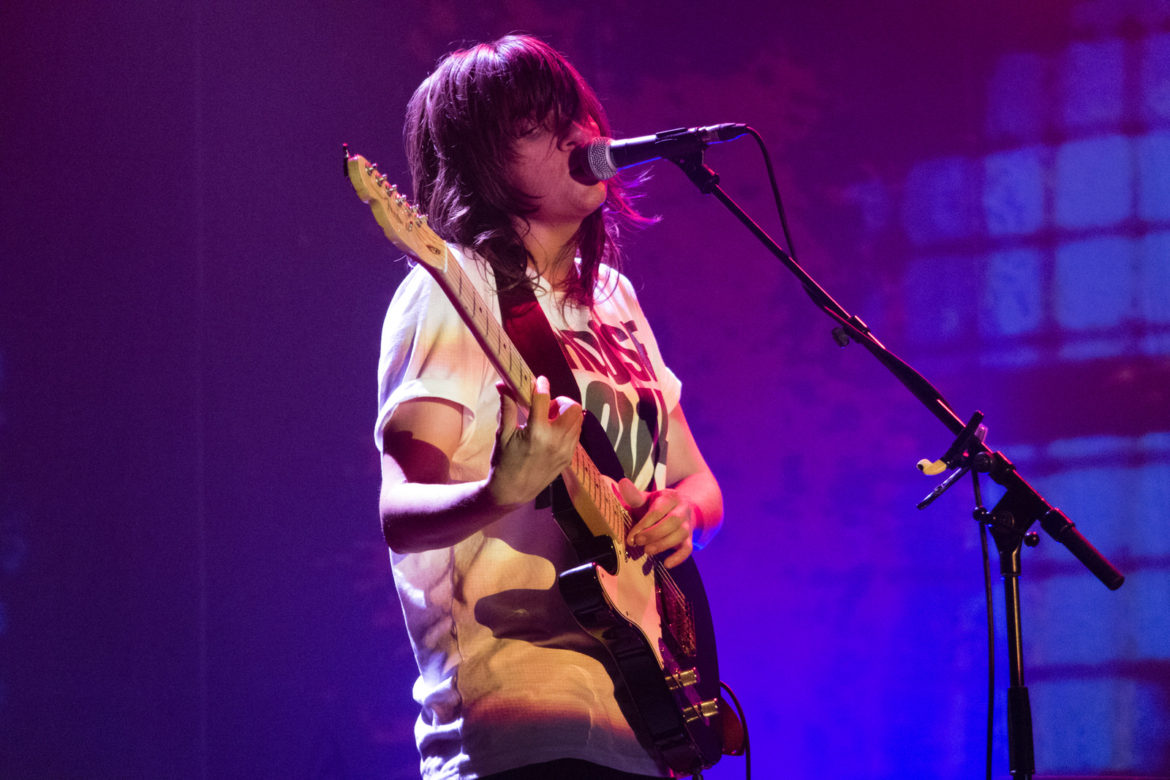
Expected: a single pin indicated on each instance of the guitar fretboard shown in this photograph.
(512, 367)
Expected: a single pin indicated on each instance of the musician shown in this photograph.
(510, 686)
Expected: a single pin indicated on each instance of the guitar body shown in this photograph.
(619, 611)
(654, 622)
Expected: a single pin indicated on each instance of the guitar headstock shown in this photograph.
(400, 221)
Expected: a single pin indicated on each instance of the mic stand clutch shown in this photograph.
(1010, 519)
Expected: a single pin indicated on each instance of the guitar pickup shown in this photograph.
(704, 709)
(683, 679)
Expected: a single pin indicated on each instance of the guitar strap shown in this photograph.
(533, 336)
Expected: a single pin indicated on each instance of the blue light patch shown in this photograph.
(1153, 515)
(1097, 447)
(1150, 599)
(1094, 182)
(1011, 356)
(1092, 77)
(1078, 723)
(939, 200)
(1013, 193)
(1155, 79)
(1155, 344)
(1158, 442)
(938, 296)
(1100, 500)
(1153, 153)
(1017, 98)
(1100, 348)
(1093, 286)
(1013, 303)
(1154, 276)
(1075, 629)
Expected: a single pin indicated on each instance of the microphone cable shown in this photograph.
(747, 745)
(775, 190)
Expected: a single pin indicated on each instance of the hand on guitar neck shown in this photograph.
(528, 457)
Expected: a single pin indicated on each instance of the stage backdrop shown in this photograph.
(192, 579)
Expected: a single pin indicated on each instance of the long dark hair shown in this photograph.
(461, 124)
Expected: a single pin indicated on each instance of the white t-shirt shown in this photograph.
(506, 676)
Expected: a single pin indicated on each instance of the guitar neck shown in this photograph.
(601, 512)
(609, 516)
(492, 339)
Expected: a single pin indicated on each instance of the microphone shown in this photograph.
(602, 158)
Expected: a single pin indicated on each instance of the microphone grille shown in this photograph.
(599, 160)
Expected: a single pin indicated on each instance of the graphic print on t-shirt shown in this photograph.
(624, 396)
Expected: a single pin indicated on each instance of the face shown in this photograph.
(540, 168)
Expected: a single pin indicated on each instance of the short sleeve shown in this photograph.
(427, 352)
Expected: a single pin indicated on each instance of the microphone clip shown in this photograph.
(962, 457)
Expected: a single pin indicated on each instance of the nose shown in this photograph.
(581, 132)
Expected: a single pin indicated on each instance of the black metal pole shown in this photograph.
(1021, 756)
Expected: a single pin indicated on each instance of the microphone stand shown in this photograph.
(1010, 519)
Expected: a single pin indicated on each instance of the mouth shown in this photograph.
(579, 168)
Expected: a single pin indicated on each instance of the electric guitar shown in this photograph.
(654, 622)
